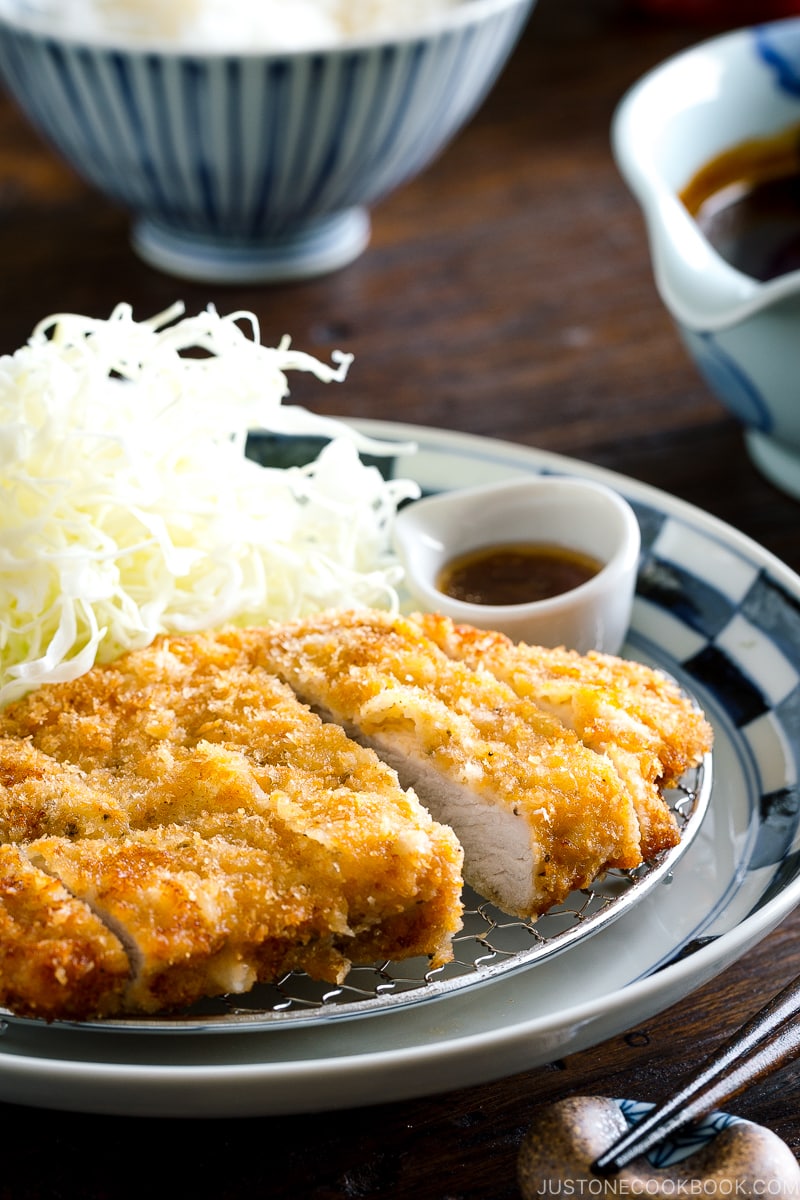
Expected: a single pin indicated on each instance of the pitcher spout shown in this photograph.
(733, 295)
(697, 286)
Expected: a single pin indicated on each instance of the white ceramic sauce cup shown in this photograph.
(572, 513)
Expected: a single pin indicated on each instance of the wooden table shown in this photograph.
(506, 292)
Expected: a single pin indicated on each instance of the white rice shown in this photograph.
(231, 24)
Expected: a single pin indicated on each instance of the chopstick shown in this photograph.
(768, 1041)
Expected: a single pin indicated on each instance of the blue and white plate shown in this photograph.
(720, 614)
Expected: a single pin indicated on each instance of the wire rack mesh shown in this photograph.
(490, 944)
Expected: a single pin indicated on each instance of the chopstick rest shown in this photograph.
(765, 1043)
(566, 1138)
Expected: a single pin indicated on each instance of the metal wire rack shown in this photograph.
(491, 944)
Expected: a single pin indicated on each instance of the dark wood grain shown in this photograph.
(766, 1042)
(506, 292)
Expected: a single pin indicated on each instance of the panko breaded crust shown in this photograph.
(57, 959)
(181, 824)
(537, 812)
(192, 806)
(631, 712)
(626, 701)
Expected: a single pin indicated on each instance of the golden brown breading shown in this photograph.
(200, 916)
(537, 812)
(178, 824)
(57, 959)
(632, 713)
(40, 796)
(244, 838)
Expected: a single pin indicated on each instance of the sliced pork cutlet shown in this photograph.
(201, 915)
(40, 796)
(248, 837)
(537, 812)
(57, 958)
(634, 714)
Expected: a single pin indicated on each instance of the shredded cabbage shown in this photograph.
(128, 506)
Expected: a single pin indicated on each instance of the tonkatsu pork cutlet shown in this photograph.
(56, 957)
(537, 812)
(626, 710)
(201, 817)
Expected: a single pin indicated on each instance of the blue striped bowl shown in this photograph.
(256, 167)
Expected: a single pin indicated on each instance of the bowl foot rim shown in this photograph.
(309, 248)
(776, 460)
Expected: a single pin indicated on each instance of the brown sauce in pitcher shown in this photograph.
(747, 203)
